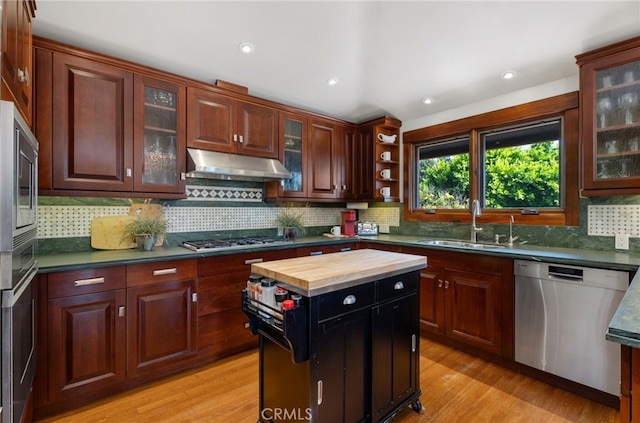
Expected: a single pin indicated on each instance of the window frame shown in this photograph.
(564, 106)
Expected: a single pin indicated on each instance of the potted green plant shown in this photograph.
(291, 223)
(144, 231)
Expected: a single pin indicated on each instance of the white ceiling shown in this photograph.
(387, 55)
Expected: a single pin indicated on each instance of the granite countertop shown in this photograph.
(624, 327)
(605, 259)
(314, 275)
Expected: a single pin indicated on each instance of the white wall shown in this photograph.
(561, 86)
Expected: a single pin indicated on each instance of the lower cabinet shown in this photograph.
(395, 347)
(86, 332)
(111, 328)
(222, 327)
(467, 299)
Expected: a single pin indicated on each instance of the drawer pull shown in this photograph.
(121, 311)
(319, 392)
(349, 299)
(315, 253)
(161, 272)
(92, 281)
(342, 250)
(255, 260)
(398, 286)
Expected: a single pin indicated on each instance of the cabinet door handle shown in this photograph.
(194, 297)
(128, 173)
(349, 299)
(398, 286)
(446, 284)
(183, 176)
(235, 137)
(241, 139)
(344, 187)
(92, 281)
(121, 311)
(413, 343)
(255, 260)
(319, 392)
(439, 283)
(161, 272)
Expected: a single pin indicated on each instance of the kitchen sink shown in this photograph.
(459, 244)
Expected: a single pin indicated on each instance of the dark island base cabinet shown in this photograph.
(362, 362)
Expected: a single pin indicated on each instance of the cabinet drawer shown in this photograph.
(345, 301)
(86, 281)
(218, 265)
(397, 286)
(161, 271)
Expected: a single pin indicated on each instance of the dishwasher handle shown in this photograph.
(566, 273)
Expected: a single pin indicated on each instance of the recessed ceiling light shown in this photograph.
(332, 81)
(427, 100)
(508, 74)
(246, 47)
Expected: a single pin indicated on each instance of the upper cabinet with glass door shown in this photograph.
(159, 136)
(610, 109)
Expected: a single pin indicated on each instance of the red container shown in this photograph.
(348, 226)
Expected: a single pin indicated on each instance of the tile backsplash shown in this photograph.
(75, 221)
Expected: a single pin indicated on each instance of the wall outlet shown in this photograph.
(622, 241)
(383, 229)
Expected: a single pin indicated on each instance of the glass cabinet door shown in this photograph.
(293, 155)
(160, 150)
(159, 157)
(617, 121)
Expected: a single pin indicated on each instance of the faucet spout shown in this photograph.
(511, 237)
(475, 211)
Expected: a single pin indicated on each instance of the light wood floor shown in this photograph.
(456, 388)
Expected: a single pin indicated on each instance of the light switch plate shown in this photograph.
(622, 241)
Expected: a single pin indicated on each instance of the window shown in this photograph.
(515, 165)
(520, 167)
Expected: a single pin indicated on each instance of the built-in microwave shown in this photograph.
(18, 196)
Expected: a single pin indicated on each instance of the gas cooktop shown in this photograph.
(231, 243)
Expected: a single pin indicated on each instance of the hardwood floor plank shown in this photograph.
(456, 387)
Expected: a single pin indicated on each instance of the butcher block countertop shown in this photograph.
(314, 275)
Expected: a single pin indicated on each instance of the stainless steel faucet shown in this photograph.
(511, 237)
(475, 211)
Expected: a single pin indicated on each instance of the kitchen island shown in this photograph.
(348, 351)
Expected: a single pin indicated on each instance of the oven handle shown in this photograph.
(12, 296)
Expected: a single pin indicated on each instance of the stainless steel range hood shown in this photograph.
(233, 167)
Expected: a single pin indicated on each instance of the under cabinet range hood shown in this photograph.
(233, 167)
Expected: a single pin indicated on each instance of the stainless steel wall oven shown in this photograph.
(18, 263)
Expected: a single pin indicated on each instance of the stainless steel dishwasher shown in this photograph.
(562, 314)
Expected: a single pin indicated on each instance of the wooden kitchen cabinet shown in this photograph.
(610, 119)
(395, 369)
(92, 140)
(293, 155)
(371, 150)
(223, 327)
(221, 123)
(131, 142)
(322, 180)
(159, 161)
(86, 332)
(467, 300)
(162, 317)
(17, 62)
